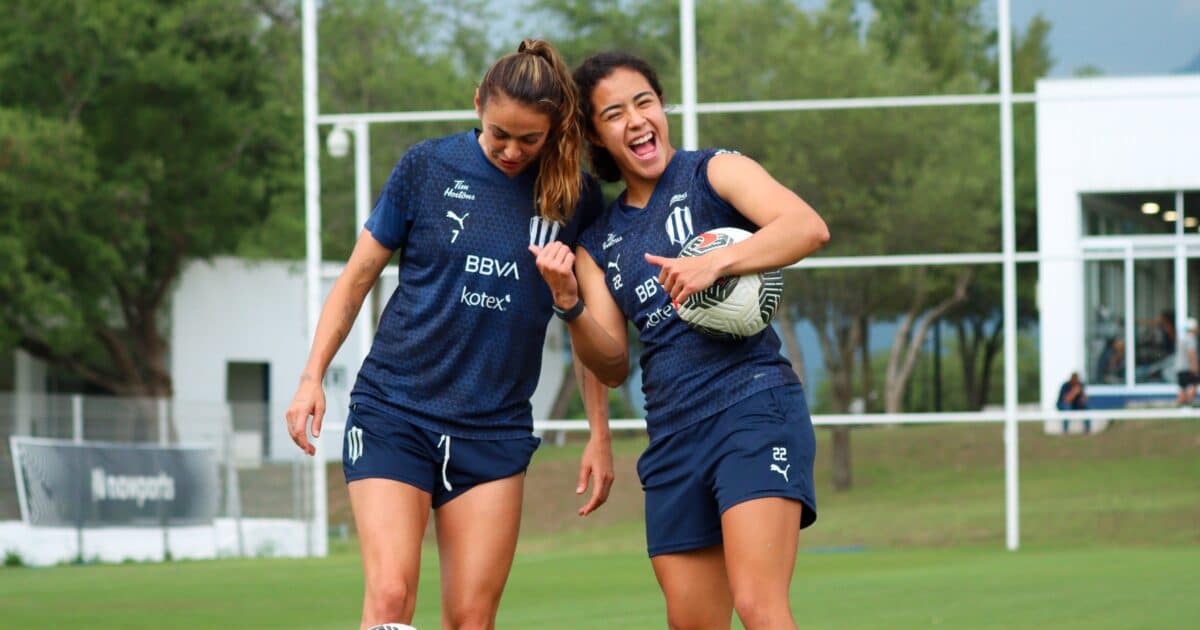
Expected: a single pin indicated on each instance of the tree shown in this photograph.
(375, 56)
(138, 135)
(977, 322)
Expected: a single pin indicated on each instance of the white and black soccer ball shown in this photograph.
(734, 307)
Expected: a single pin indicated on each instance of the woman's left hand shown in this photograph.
(595, 466)
(682, 277)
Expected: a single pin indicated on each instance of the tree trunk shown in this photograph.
(842, 480)
(907, 344)
(788, 329)
(868, 382)
(566, 391)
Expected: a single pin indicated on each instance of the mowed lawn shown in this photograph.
(956, 588)
(1110, 535)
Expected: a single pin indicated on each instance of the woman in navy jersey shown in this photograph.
(728, 471)
(440, 415)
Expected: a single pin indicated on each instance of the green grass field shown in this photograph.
(1110, 532)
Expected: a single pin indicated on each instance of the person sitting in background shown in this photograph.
(1110, 368)
(1072, 397)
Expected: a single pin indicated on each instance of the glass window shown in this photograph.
(1104, 321)
(1106, 38)
(1193, 283)
(1128, 213)
(1191, 211)
(1154, 336)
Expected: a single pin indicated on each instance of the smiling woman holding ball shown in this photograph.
(728, 472)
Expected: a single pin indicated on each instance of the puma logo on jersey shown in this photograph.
(457, 219)
(615, 263)
(783, 471)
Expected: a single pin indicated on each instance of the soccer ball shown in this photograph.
(734, 307)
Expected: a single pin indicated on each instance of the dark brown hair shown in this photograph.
(536, 76)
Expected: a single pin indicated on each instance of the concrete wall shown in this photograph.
(42, 546)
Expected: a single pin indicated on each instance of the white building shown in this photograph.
(238, 335)
(1118, 176)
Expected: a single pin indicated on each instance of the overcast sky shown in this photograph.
(1121, 37)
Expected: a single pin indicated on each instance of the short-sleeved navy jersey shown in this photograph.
(459, 345)
(686, 376)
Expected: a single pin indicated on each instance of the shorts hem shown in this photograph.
(441, 500)
(399, 478)
(692, 545)
(807, 517)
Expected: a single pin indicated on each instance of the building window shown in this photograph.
(1129, 213)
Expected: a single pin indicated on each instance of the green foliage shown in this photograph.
(12, 558)
(955, 393)
(137, 136)
(375, 56)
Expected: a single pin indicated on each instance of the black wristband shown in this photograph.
(569, 314)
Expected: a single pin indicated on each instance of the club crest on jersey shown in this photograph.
(611, 240)
(541, 231)
(676, 198)
(679, 225)
(354, 444)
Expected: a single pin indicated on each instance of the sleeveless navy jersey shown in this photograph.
(686, 376)
(459, 345)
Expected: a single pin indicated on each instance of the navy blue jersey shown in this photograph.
(459, 345)
(686, 376)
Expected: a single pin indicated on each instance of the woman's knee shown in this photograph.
(392, 599)
(471, 617)
(758, 609)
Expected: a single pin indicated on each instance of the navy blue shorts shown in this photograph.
(379, 446)
(760, 447)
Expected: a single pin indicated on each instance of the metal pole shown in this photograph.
(164, 510)
(687, 56)
(1008, 222)
(312, 223)
(77, 418)
(77, 437)
(164, 438)
(1181, 274)
(362, 208)
(1130, 315)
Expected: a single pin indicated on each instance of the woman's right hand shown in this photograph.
(556, 263)
(309, 401)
